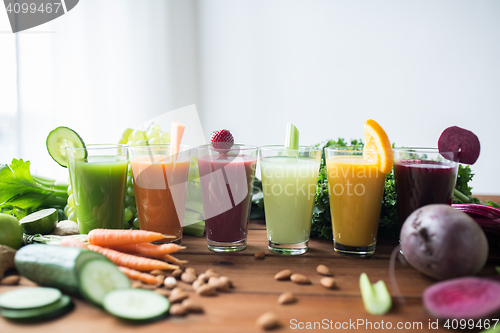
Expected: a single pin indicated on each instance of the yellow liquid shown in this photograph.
(356, 187)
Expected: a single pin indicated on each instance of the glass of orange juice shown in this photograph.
(356, 187)
(160, 185)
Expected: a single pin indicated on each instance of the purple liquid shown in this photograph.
(420, 183)
(226, 186)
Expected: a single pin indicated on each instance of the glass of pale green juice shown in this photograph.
(289, 179)
(98, 175)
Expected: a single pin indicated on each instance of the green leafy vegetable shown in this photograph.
(23, 193)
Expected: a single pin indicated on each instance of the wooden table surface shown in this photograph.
(256, 292)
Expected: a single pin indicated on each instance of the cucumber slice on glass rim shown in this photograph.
(61, 138)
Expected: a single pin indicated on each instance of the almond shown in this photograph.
(206, 290)
(177, 297)
(136, 284)
(157, 272)
(213, 281)
(283, 275)
(150, 286)
(177, 273)
(197, 284)
(203, 277)
(300, 279)
(223, 285)
(192, 306)
(170, 282)
(188, 277)
(268, 320)
(323, 270)
(177, 310)
(190, 270)
(225, 278)
(210, 273)
(287, 298)
(162, 291)
(328, 282)
(259, 255)
(11, 280)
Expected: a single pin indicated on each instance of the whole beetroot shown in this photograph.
(443, 242)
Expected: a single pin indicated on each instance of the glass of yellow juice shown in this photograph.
(355, 187)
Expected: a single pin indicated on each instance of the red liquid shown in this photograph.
(420, 183)
(226, 185)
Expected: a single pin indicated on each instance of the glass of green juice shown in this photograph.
(289, 179)
(98, 175)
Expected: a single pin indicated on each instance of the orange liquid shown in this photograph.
(356, 188)
(160, 193)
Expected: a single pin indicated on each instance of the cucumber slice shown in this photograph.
(29, 298)
(136, 304)
(60, 139)
(98, 277)
(51, 311)
(41, 222)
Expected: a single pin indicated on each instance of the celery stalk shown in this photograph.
(376, 298)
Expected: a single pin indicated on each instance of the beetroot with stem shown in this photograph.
(463, 298)
(457, 139)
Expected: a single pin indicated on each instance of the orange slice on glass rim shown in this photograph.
(377, 147)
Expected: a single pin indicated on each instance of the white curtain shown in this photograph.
(102, 67)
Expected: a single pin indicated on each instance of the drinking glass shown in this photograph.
(160, 185)
(289, 180)
(356, 187)
(423, 176)
(98, 175)
(226, 178)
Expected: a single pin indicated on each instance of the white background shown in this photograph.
(416, 67)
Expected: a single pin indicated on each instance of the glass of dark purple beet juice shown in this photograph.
(226, 186)
(423, 176)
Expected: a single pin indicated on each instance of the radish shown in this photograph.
(463, 298)
(466, 143)
(443, 242)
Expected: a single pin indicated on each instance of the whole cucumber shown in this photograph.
(54, 266)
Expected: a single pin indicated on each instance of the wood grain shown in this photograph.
(257, 292)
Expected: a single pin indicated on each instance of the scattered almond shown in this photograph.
(160, 278)
(157, 272)
(136, 284)
(170, 282)
(206, 290)
(192, 306)
(177, 273)
(323, 270)
(197, 284)
(223, 285)
(224, 279)
(162, 291)
(203, 277)
(11, 280)
(283, 275)
(328, 282)
(150, 286)
(188, 277)
(210, 272)
(268, 320)
(190, 270)
(287, 298)
(300, 279)
(259, 255)
(177, 297)
(213, 281)
(177, 310)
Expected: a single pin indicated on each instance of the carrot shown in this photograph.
(110, 237)
(131, 261)
(73, 242)
(144, 277)
(147, 249)
(174, 260)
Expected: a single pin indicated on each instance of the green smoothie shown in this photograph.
(98, 186)
(289, 186)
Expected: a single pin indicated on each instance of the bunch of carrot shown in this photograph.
(132, 251)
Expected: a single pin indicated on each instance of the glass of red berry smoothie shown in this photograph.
(227, 172)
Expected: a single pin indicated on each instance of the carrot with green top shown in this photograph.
(131, 261)
(143, 277)
(111, 237)
(147, 249)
